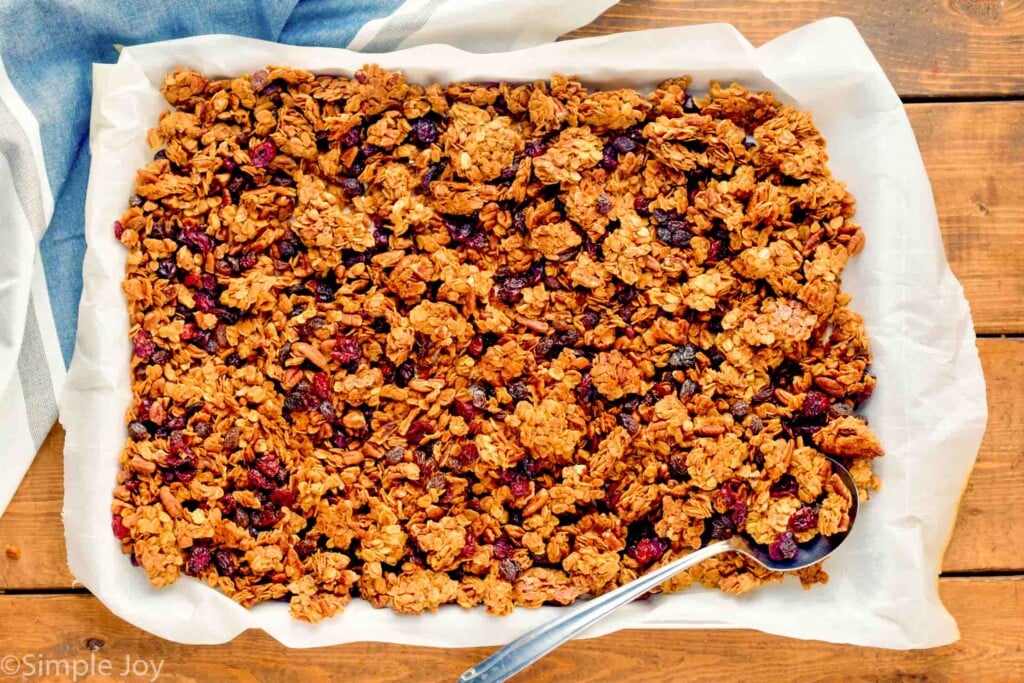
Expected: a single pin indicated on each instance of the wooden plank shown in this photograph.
(73, 627)
(989, 513)
(928, 48)
(990, 524)
(974, 154)
(32, 523)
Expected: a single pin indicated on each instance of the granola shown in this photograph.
(483, 343)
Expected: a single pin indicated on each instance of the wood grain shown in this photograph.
(989, 532)
(928, 48)
(987, 609)
(974, 154)
(990, 513)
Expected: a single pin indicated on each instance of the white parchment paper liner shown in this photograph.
(929, 408)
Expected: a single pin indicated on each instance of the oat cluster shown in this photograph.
(482, 343)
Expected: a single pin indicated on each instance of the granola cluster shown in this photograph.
(484, 342)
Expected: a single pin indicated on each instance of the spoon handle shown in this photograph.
(528, 648)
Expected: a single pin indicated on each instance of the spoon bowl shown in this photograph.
(808, 553)
(528, 648)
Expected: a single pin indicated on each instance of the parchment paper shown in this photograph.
(929, 408)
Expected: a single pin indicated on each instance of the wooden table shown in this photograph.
(959, 65)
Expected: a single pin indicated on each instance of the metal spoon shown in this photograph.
(528, 648)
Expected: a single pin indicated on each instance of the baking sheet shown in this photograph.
(929, 408)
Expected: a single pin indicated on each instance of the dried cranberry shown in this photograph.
(321, 386)
(282, 498)
(305, 548)
(269, 465)
(609, 159)
(508, 290)
(623, 144)
(324, 292)
(585, 392)
(432, 173)
(118, 527)
(248, 260)
(167, 269)
(347, 350)
(351, 138)
(732, 493)
(534, 149)
(520, 486)
(265, 517)
(176, 441)
(476, 347)
(404, 374)
(381, 238)
(425, 462)
(469, 549)
(351, 187)
(204, 302)
(569, 338)
(590, 319)
(509, 569)
(803, 519)
(785, 486)
(502, 548)
(647, 550)
(815, 404)
(198, 559)
(642, 206)
(118, 229)
(143, 345)
(424, 132)
(197, 239)
(783, 548)
(465, 409)
(263, 154)
(286, 249)
(468, 455)
(257, 480)
(739, 514)
(418, 430)
(722, 527)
